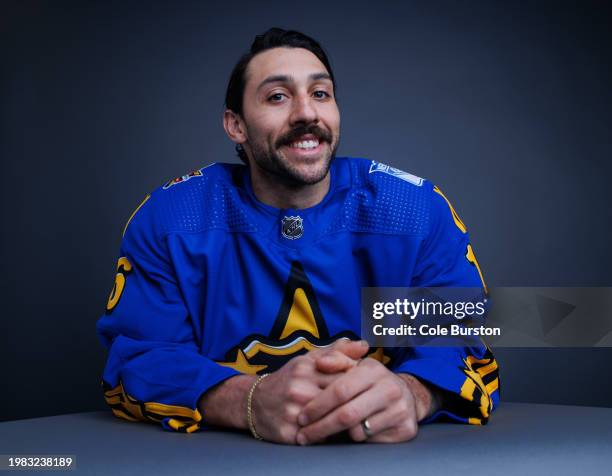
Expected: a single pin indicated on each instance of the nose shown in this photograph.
(304, 110)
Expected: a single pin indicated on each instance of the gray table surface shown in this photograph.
(520, 439)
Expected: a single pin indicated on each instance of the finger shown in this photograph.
(335, 362)
(304, 368)
(384, 420)
(324, 380)
(396, 422)
(319, 351)
(404, 432)
(342, 418)
(377, 423)
(355, 349)
(344, 388)
(341, 356)
(301, 392)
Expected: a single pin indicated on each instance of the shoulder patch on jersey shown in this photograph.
(375, 204)
(184, 178)
(209, 202)
(400, 174)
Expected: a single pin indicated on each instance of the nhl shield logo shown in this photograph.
(292, 228)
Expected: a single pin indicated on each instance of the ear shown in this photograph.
(234, 127)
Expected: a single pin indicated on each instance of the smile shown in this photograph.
(305, 144)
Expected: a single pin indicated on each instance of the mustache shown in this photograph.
(295, 134)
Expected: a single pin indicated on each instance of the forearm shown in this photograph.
(226, 404)
(427, 398)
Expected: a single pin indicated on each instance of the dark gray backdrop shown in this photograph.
(506, 107)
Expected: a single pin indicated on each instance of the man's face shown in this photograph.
(291, 116)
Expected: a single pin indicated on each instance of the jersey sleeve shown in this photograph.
(154, 370)
(466, 377)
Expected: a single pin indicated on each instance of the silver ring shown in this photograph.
(367, 429)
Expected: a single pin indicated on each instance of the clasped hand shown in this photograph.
(331, 390)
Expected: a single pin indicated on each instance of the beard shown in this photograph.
(267, 157)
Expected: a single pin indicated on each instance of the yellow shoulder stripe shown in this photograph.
(456, 218)
(134, 213)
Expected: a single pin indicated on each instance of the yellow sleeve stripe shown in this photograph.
(494, 385)
(484, 367)
(471, 360)
(175, 424)
(456, 218)
(474, 421)
(468, 392)
(121, 414)
(118, 390)
(467, 389)
(487, 369)
(128, 408)
(116, 400)
(474, 386)
(134, 213)
(182, 426)
(193, 428)
(173, 410)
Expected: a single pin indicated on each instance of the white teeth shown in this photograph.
(306, 144)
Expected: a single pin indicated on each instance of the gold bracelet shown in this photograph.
(256, 435)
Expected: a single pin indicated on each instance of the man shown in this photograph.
(237, 294)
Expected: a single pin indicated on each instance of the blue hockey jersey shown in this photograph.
(211, 283)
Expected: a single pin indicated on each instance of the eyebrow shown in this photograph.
(283, 78)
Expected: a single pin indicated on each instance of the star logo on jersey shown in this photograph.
(292, 228)
(298, 328)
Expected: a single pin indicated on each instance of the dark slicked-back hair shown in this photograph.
(273, 38)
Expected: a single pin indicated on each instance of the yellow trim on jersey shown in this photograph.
(242, 365)
(173, 410)
(456, 218)
(174, 424)
(114, 400)
(469, 254)
(470, 359)
(474, 421)
(487, 369)
(475, 370)
(494, 385)
(133, 410)
(193, 428)
(467, 392)
(471, 257)
(118, 390)
(121, 414)
(467, 389)
(484, 370)
(268, 349)
(134, 213)
(181, 425)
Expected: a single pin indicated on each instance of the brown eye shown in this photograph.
(321, 94)
(277, 97)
